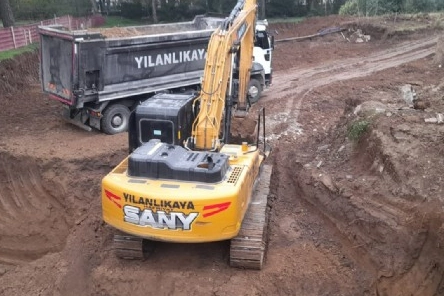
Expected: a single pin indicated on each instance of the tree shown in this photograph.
(154, 6)
(6, 13)
(262, 9)
(93, 6)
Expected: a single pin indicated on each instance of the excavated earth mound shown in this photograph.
(17, 74)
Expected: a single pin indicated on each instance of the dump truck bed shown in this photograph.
(99, 65)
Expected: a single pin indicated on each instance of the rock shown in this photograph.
(319, 164)
(345, 192)
(328, 182)
(404, 127)
(341, 148)
(421, 104)
(358, 37)
(2, 271)
(408, 94)
(389, 114)
(438, 119)
(412, 118)
(439, 53)
(324, 147)
(431, 120)
(370, 108)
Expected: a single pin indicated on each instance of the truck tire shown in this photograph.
(254, 90)
(115, 119)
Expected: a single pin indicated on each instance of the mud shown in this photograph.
(347, 217)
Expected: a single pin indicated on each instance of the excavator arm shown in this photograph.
(230, 44)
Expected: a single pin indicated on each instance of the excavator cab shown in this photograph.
(166, 117)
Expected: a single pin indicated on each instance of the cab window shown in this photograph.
(156, 129)
(262, 40)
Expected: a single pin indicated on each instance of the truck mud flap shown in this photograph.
(77, 120)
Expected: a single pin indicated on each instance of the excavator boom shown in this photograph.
(233, 40)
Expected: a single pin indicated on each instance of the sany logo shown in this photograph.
(216, 208)
(158, 219)
(113, 198)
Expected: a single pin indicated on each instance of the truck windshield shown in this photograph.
(261, 40)
(156, 129)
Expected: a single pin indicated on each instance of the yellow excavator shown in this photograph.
(184, 181)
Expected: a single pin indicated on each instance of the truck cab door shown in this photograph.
(262, 52)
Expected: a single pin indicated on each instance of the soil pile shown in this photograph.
(18, 73)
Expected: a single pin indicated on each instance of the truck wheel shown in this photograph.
(115, 119)
(254, 90)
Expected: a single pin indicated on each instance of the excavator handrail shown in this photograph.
(261, 115)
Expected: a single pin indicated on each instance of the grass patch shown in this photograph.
(357, 129)
(8, 54)
(117, 21)
(286, 20)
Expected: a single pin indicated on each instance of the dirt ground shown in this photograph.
(357, 195)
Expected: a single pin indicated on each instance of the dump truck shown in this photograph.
(101, 75)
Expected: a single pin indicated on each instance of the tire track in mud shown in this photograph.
(32, 220)
(293, 85)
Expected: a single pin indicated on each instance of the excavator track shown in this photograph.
(247, 250)
(128, 247)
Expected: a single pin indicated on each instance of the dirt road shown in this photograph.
(339, 225)
(297, 83)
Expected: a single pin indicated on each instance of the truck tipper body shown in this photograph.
(100, 75)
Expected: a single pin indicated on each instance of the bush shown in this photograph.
(414, 6)
(349, 8)
(357, 129)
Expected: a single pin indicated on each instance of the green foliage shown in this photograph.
(378, 7)
(8, 54)
(178, 12)
(413, 6)
(175, 10)
(349, 8)
(357, 129)
(219, 6)
(118, 21)
(42, 9)
(132, 10)
(284, 8)
(286, 20)
(439, 4)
